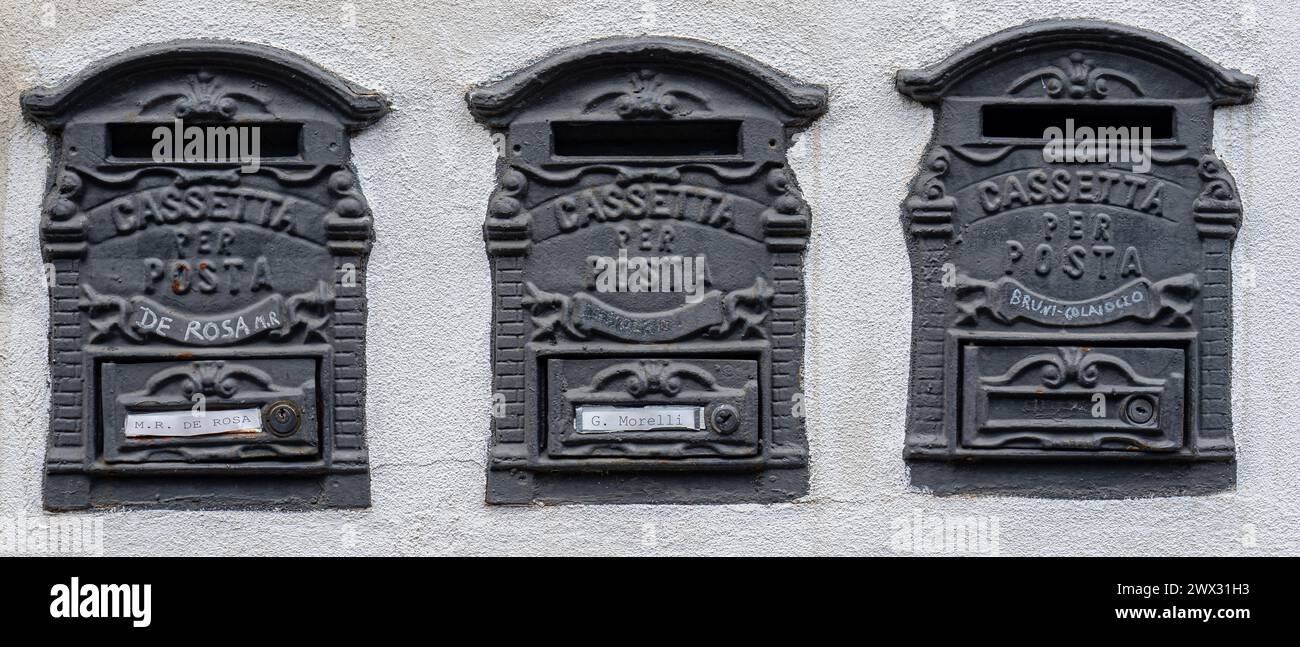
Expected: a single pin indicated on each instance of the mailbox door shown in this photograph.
(234, 391)
(1073, 398)
(636, 407)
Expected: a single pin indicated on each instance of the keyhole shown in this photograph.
(725, 419)
(1141, 409)
(283, 419)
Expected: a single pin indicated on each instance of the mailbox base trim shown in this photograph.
(1074, 479)
(67, 492)
(518, 487)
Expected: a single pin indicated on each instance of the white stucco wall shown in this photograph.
(427, 171)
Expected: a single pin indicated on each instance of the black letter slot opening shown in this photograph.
(1029, 121)
(221, 142)
(712, 138)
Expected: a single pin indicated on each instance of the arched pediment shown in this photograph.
(1224, 86)
(356, 107)
(799, 103)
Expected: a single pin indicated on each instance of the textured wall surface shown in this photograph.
(427, 172)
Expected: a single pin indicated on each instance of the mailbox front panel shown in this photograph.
(206, 241)
(1070, 234)
(646, 239)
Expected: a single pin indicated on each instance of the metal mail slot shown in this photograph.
(645, 228)
(1070, 233)
(206, 241)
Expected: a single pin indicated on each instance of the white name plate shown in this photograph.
(599, 420)
(186, 423)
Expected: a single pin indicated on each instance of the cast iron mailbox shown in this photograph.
(1070, 234)
(646, 242)
(206, 241)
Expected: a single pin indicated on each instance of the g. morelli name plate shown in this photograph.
(1070, 233)
(599, 420)
(206, 240)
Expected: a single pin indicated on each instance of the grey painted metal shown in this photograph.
(654, 153)
(177, 282)
(1072, 324)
